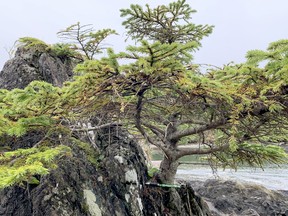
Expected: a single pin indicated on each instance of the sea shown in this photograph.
(272, 176)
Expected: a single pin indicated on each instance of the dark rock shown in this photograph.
(78, 186)
(235, 198)
(249, 212)
(113, 184)
(29, 65)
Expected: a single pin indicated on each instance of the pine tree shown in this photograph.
(167, 24)
(232, 116)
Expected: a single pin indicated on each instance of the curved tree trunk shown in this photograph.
(168, 169)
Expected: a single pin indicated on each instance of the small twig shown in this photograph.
(97, 127)
(194, 163)
(39, 142)
(188, 201)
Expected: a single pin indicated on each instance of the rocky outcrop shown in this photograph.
(89, 182)
(27, 66)
(107, 182)
(235, 198)
(103, 179)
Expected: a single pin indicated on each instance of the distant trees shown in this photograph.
(234, 115)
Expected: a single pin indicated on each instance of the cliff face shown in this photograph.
(107, 180)
(81, 185)
(27, 66)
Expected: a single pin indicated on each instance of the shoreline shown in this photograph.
(230, 197)
(273, 178)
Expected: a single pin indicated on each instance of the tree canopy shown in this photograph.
(233, 115)
(166, 24)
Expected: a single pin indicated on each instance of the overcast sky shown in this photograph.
(240, 25)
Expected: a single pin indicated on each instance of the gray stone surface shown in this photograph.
(236, 198)
(27, 66)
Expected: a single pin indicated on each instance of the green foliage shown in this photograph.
(33, 43)
(21, 165)
(152, 171)
(169, 102)
(168, 56)
(61, 50)
(35, 106)
(84, 39)
(276, 52)
(225, 107)
(236, 114)
(65, 51)
(274, 72)
(251, 154)
(166, 24)
(89, 151)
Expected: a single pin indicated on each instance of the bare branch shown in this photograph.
(198, 151)
(97, 127)
(191, 131)
(156, 130)
(191, 121)
(138, 123)
(194, 163)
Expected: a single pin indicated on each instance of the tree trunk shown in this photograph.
(168, 169)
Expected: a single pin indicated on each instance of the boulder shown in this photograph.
(238, 198)
(29, 65)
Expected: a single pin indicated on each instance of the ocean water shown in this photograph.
(272, 177)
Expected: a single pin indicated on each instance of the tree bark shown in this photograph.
(168, 169)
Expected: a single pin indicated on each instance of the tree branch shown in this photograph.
(156, 130)
(192, 151)
(191, 121)
(190, 131)
(138, 123)
(97, 127)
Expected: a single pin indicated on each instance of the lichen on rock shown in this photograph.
(91, 202)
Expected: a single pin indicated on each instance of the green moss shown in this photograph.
(85, 208)
(91, 153)
(64, 51)
(61, 50)
(152, 171)
(33, 43)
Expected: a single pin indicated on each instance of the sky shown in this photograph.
(240, 25)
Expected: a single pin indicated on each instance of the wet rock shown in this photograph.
(235, 198)
(249, 212)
